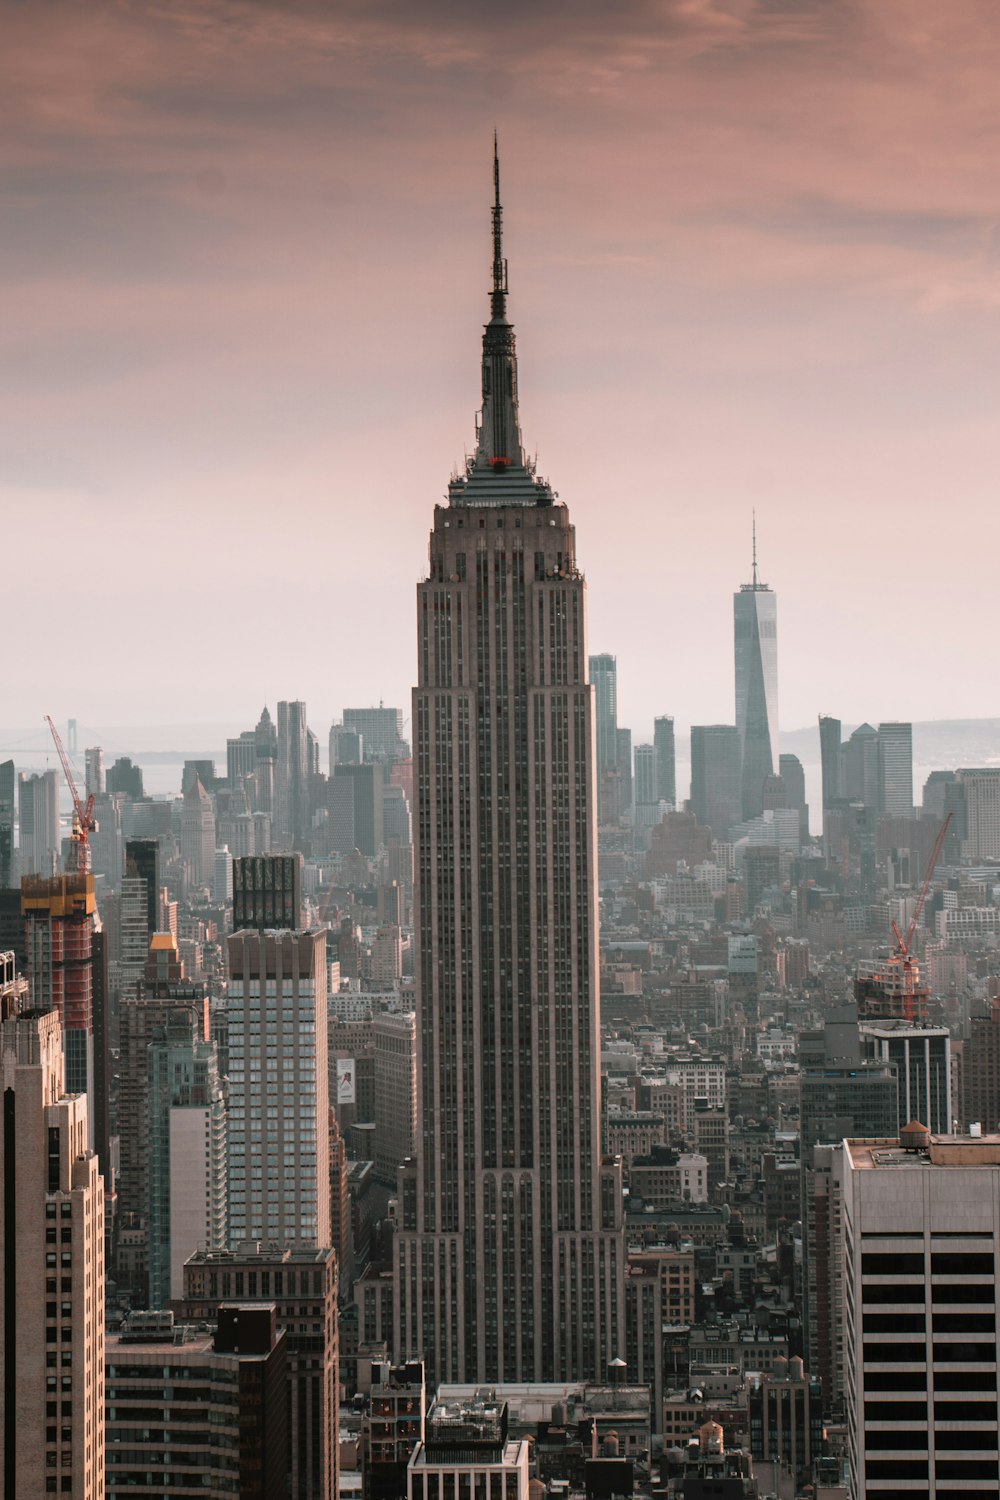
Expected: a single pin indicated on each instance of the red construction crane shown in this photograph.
(903, 956)
(84, 822)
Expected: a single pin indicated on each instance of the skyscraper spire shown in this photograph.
(754, 514)
(499, 296)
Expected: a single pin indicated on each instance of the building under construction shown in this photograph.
(889, 989)
(58, 912)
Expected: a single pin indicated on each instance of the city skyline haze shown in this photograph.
(753, 266)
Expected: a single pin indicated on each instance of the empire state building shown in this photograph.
(509, 1245)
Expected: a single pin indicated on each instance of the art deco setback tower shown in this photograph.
(509, 1253)
(755, 632)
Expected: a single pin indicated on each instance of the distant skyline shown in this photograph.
(753, 263)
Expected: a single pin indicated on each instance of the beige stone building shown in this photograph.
(52, 1253)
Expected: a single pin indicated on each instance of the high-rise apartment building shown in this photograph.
(8, 783)
(58, 917)
(133, 936)
(279, 1148)
(755, 636)
(830, 759)
(666, 760)
(142, 862)
(895, 769)
(38, 823)
(163, 1000)
(509, 1252)
(604, 680)
(920, 1240)
(52, 1255)
(186, 1121)
(292, 815)
(716, 797)
(625, 770)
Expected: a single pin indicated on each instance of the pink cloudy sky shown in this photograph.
(753, 259)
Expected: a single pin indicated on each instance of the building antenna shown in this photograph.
(499, 264)
(754, 514)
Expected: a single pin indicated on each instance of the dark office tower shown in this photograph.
(509, 1252)
(715, 776)
(666, 760)
(58, 928)
(381, 731)
(8, 782)
(794, 778)
(267, 892)
(142, 862)
(355, 800)
(895, 769)
(124, 777)
(859, 767)
(755, 634)
(604, 679)
(292, 824)
(981, 1072)
(830, 760)
(38, 805)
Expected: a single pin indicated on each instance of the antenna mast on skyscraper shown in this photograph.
(499, 264)
(754, 514)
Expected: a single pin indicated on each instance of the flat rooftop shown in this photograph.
(940, 1151)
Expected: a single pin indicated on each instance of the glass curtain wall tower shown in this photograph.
(509, 1252)
(755, 632)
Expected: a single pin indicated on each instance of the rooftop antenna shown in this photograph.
(754, 514)
(499, 298)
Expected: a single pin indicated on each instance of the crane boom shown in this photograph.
(904, 943)
(83, 816)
